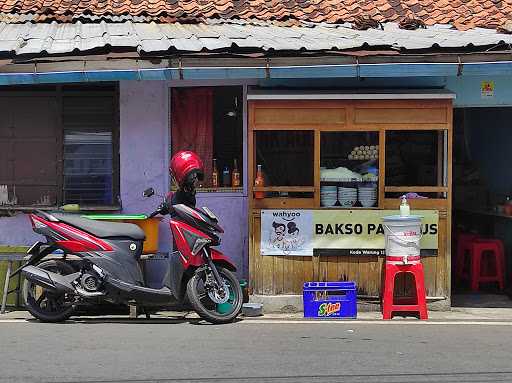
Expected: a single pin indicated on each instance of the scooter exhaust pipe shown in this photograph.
(51, 281)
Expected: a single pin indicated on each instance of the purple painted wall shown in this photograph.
(17, 230)
(143, 147)
(232, 214)
(144, 142)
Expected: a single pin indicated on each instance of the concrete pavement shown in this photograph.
(457, 314)
(277, 350)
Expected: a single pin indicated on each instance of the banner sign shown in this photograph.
(336, 232)
(286, 232)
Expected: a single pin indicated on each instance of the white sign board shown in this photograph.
(287, 232)
(336, 232)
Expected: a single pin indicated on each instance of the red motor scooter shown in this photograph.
(109, 269)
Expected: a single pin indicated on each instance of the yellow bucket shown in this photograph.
(150, 228)
(148, 225)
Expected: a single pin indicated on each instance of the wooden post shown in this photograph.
(6, 287)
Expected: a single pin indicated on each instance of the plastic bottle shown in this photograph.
(71, 207)
(405, 209)
(235, 176)
(226, 178)
(215, 175)
(507, 208)
(259, 182)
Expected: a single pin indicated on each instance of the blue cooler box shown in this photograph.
(330, 300)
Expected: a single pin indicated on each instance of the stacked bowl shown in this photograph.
(328, 196)
(347, 196)
(367, 195)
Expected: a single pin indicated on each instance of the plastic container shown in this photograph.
(252, 309)
(148, 225)
(402, 236)
(330, 300)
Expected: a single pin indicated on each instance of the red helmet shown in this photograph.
(185, 166)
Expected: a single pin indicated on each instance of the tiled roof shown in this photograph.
(39, 39)
(463, 14)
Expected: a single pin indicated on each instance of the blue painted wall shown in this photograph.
(466, 88)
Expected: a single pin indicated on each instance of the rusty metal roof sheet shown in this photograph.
(216, 35)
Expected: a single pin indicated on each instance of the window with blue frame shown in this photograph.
(59, 145)
(88, 167)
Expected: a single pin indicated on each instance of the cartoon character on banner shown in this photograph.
(277, 239)
(286, 241)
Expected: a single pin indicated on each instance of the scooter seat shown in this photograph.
(102, 229)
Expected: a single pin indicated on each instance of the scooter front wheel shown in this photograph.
(212, 306)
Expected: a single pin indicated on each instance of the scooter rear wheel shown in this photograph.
(44, 305)
(207, 308)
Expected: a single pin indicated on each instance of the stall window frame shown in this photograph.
(203, 193)
(437, 269)
(442, 167)
(349, 126)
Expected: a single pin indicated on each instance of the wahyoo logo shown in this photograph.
(286, 215)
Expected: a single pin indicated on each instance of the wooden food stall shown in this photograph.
(352, 154)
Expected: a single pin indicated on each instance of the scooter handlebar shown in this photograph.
(163, 209)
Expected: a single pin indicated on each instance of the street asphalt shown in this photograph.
(254, 350)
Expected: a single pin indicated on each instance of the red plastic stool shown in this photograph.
(478, 248)
(485, 265)
(394, 266)
(464, 245)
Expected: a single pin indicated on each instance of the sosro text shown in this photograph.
(358, 228)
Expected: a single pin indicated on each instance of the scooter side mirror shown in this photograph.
(148, 192)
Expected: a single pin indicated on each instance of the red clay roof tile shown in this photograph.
(464, 13)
